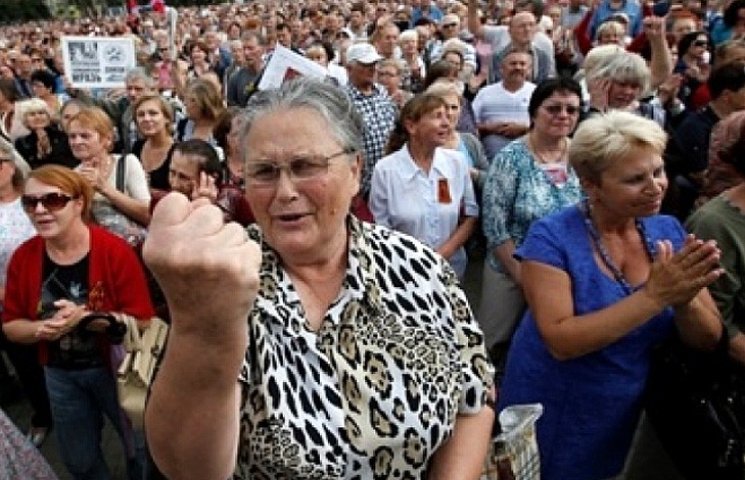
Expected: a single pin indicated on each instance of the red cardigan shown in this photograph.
(116, 281)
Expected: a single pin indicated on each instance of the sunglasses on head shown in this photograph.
(556, 109)
(50, 201)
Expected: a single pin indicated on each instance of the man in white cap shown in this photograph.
(372, 102)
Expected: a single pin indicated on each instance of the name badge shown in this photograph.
(443, 191)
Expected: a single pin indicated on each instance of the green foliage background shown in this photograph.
(12, 11)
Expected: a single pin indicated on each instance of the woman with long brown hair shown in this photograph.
(154, 120)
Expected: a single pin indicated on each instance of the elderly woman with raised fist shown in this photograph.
(313, 346)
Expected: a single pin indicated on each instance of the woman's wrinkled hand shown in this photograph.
(208, 270)
(676, 278)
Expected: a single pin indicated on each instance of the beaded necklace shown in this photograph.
(605, 256)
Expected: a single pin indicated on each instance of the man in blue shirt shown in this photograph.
(426, 9)
(607, 8)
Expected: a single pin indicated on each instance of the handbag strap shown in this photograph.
(121, 172)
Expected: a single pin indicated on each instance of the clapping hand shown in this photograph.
(64, 320)
(676, 278)
(93, 176)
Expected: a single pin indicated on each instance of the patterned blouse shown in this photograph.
(376, 390)
(15, 228)
(518, 191)
(18, 457)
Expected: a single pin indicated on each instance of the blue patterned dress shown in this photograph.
(517, 192)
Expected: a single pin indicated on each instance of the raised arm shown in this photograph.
(209, 274)
(661, 63)
(474, 22)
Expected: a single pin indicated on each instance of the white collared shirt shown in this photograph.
(406, 198)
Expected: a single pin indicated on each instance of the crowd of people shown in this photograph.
(307, 243)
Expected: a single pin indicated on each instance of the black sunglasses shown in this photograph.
(556, 109)
(449, 25)
(701, 43)
(50, 201)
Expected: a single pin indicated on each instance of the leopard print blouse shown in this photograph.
(375, 391)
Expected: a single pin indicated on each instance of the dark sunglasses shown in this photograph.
(701, 43)
(50, 201)
(449, 25)
(556, 109)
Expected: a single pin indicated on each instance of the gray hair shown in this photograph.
(139, 73)
(24, 107)
(22, 168)
(610, 26)
(597, 58)
(626, 67)
(408, 35)
(330, 102)
(602, 140)
(444, 89)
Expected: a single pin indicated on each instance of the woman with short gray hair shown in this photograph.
(344, 349)
(605, 281)
(620, 83)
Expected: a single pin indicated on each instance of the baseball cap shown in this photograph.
(363, 53)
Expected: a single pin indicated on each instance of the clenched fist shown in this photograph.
(208, 270)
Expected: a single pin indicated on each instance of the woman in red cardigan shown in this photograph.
(56, 278)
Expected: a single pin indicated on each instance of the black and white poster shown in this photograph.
(98, 62)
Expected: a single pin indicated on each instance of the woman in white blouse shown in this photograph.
(422, 189)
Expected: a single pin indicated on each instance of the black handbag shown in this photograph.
(695, 401)
(115, 330)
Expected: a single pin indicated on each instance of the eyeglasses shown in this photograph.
(449, 25)
(701, 43)
(299, 169)
(557, 109)
(50, 201)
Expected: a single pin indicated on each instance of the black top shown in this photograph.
(59, 155)
(74, 350)
(691, 140)
(158, 178)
